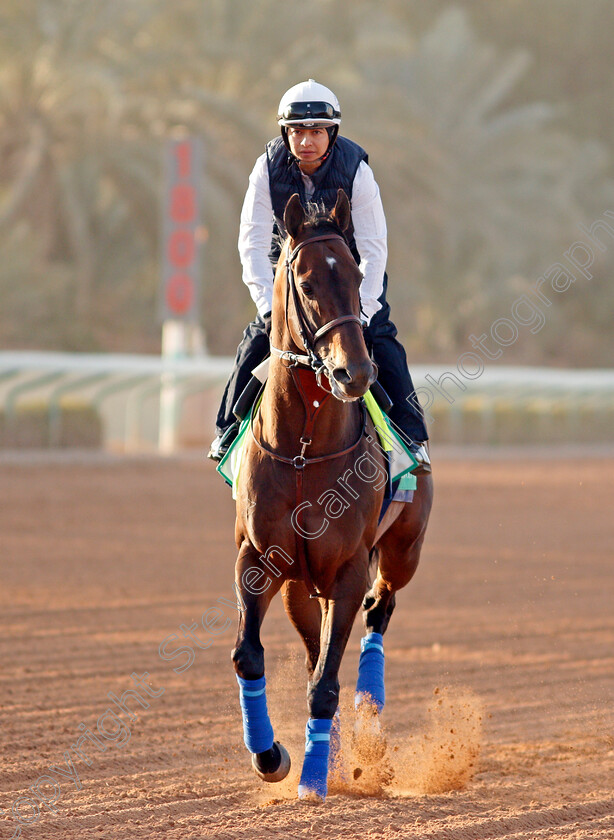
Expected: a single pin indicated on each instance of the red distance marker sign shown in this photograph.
(179, 294)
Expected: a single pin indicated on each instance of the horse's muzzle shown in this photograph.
(353, 381)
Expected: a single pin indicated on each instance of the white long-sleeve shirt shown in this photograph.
(256, 230)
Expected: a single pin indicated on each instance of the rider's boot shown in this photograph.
(221, 443)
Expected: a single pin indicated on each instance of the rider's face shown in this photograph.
(308, 145)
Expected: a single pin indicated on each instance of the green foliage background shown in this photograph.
(489, 127)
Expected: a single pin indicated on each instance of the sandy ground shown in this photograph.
(499, 714)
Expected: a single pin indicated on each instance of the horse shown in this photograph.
(309, 439)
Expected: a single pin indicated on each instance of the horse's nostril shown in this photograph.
(354, 379)
(342, 375)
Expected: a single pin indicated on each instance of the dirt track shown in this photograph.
(505, 636)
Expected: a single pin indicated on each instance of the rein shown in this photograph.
(299, 362)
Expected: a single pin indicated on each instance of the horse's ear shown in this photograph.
(294, 216)
(341, 213)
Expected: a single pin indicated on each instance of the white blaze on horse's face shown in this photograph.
(332, 262)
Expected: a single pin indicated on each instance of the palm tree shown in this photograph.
(476, 191)
(89, 94)
(61, 108)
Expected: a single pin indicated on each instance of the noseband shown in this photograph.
(308, 337)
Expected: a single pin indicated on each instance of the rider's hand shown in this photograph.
(367, 334)
(267, 323)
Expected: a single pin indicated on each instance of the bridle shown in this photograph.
(295, 361)
(308, 337)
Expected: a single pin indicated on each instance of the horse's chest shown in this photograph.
(319, 514)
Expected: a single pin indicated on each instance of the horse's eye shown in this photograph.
(306, 290)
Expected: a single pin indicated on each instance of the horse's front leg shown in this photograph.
(270, 759)
(339, 613)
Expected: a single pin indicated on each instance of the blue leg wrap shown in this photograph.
(315, 766)
(371, 671)
(257, 729)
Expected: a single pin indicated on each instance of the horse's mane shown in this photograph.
(316, 214)
(317, 217)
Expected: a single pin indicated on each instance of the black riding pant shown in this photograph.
(386, 351)
(252, 350)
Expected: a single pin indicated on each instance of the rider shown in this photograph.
(310, 159)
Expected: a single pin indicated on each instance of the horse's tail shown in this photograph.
(369, 600)
(373, 560)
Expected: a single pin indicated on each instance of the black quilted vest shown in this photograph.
(337, 171)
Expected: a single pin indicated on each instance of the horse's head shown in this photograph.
(317, 302)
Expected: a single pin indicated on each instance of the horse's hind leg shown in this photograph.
(306, 615)
(397, 553)
(270, 759)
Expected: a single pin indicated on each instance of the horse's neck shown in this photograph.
(283, 417)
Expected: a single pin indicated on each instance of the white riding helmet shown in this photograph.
(309, 104)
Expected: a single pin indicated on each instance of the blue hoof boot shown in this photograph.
(313, 785)
(370, 684)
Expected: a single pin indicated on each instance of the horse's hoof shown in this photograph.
(262, 766)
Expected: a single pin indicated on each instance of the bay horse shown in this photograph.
(307, 499)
